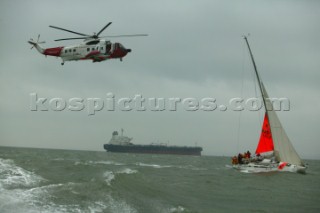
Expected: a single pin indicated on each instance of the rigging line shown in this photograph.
(242, 83)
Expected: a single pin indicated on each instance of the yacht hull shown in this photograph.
(272, 167)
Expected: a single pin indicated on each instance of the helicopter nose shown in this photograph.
(128, 50)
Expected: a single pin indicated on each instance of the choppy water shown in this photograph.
(40, 180)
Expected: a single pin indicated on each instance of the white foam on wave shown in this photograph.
(127, 171)
(111, 205)
(50, 187)
(108, 163)
(191, 167)
(109, 176)
(88, 163)
(37, 199)
(15, 183)
(108, 204)
(21, 191)
(153, 165)
(157, 166)
(13, 176)
(58, 159)
(177, 209)
(229, 166)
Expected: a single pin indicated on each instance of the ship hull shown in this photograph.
(153, 149)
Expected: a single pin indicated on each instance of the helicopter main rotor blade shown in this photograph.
(103, 28)
(59, 28)
(63, 39)
(133, 35)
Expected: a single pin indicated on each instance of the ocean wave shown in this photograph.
(51, 187)
(41, 199)
(127, 171)
(13, 176)
(229, 166)
(111, 205)
(170, 166)
(21, 190)
(15, 183)
(191, 167)
(89, 163)
(25, 202)
(153, 165)
(58, 159)
(177, 209)
(109, 176)
(108, 204)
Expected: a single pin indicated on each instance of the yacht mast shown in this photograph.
(257, 75)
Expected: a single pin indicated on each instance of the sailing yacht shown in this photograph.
(274, 145)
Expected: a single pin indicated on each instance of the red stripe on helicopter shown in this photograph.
(55, 51)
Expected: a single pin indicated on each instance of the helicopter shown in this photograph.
(91, 48)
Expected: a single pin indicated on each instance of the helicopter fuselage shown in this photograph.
(95, 50)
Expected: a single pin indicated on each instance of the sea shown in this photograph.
(48, 180)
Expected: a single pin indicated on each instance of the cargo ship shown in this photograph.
(121, 143)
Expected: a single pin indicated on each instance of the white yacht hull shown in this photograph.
(271, 167)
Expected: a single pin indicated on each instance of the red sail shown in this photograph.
(265, 142)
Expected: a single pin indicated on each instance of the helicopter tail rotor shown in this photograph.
(36, 44)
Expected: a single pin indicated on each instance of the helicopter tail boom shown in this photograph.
(37, 46)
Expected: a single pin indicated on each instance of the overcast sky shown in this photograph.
(194, 50)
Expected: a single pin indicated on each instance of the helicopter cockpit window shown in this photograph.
(92, 42)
